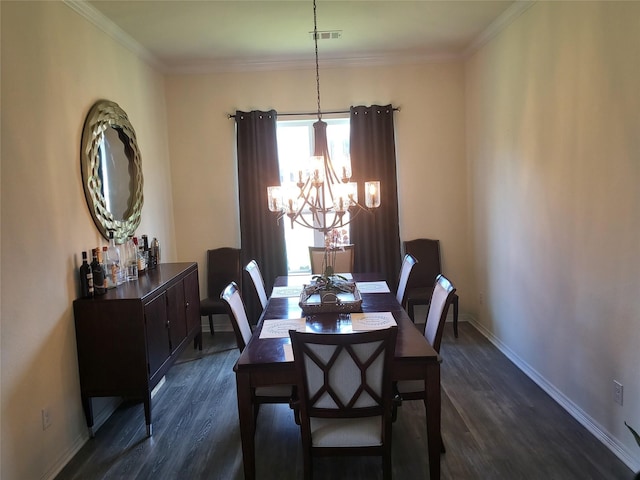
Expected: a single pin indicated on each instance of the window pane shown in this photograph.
(295, 145)
(298, 239)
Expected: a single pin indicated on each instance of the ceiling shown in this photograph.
(186, 35)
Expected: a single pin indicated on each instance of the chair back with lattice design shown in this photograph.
(344, 374)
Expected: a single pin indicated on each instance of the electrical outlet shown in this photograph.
(618, 389)
(46, 418)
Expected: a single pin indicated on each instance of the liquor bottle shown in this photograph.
(108, 280)
(155, 253)
(144, 248)
(138, 255)
(131, 260)
(86, 278)
(98, 274)
(113, 265)
(102, 254)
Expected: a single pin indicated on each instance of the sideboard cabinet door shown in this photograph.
(157, 333)
(176, 316)
(192, 302)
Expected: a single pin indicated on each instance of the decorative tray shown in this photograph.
(346, 299)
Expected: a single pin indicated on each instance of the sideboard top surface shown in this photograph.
(146, 284)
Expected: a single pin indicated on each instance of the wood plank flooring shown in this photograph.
(496, 424)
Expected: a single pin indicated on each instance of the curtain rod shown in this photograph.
(308, 114)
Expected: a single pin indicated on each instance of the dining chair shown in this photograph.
(342, 256)
(441, 297)
(258, 282)
(223, 266)
(408, 262)
(236, 310)
(344, 394)
(420, 285)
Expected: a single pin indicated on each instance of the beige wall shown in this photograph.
(55, 65)
(430, 148)
(554, 169)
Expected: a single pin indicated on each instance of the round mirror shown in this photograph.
(111, 170)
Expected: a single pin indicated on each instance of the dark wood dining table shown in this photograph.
(263, 362)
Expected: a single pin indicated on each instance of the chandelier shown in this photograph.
(323, 188)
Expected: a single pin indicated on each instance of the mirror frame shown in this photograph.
(106, 114)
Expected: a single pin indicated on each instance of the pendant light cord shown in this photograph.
(315, 39)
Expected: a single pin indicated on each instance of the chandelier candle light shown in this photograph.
(323, 187)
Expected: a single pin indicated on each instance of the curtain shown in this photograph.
(373, 157)
(262, 238)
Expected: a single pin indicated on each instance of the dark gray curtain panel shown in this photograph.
(373, 157)
(262, 238)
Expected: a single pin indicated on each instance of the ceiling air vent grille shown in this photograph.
(327, 35)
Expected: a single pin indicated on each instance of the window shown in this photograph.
(295, 144)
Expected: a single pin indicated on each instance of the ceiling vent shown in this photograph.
(327, 35)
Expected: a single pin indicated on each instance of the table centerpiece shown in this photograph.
(330, 292)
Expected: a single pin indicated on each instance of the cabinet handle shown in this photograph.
(167, 323)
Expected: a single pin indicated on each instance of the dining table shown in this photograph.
(266, 359)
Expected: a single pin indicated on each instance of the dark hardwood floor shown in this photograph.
(496, 424)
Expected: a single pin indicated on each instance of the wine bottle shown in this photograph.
(86, 278)
(98, 274)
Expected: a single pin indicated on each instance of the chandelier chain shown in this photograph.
(315, 39)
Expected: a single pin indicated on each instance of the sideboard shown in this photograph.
(128, 338)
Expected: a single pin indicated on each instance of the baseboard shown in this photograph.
(574, 410)
(109, 405)
(65, 458)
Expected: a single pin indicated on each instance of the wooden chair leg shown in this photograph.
(397, 402)
(211, 325)
(386, 467)
(197, 341)
(307, 464)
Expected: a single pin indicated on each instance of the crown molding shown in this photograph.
(95, 17)
(499, 24)
(307, 63)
